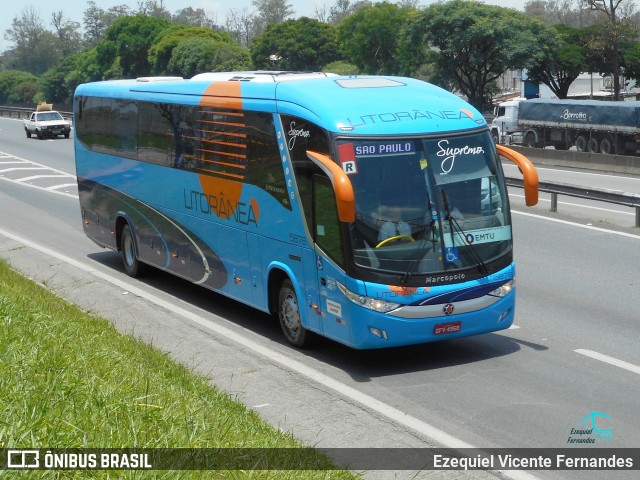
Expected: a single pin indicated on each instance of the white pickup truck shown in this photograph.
(47, 124)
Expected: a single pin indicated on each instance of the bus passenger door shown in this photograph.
(329, 260)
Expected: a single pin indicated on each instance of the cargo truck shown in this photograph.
(589, 125)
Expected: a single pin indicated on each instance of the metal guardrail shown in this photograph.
(598, 194)
(23, 112)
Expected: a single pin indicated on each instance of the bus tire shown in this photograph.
(593, 145)
(289, 315)
(132, 265)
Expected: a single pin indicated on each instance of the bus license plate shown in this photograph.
(444, 328)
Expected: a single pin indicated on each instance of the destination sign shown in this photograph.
(388, 148)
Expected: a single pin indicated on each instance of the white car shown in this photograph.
(47, 124)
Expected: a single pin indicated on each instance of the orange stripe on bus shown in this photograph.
(222, 95)
(224, 154)
(216, 112)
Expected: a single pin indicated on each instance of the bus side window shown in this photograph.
(326, 222)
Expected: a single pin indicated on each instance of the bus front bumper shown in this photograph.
(441, 322)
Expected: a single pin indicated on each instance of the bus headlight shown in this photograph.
(376, 304)
(504, 290)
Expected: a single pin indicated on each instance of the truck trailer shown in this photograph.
(589, 125)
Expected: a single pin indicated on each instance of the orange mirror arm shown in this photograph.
(528, 171)
(345, 197)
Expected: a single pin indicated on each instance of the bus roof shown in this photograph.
(372, 105)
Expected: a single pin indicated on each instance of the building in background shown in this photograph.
(514, 84)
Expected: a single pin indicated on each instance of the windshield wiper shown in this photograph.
(428, 228)
(455, 226)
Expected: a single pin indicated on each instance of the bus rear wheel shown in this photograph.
(132, 265)
(289, 315)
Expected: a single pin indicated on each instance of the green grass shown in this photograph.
(71, 380)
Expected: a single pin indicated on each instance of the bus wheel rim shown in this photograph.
(128, 251)
(291, 314)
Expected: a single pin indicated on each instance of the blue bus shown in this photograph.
(371, 210)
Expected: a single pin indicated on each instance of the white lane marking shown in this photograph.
(22, 168)
(575, 172)
(573, 224)
(513, 327)
(610, 360)
(24, 160)
(46, 189)
(368, 402)
(36, 177)
(64, 185)
(37, 166)
(547, 200)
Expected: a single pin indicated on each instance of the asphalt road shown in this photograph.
(573, 349)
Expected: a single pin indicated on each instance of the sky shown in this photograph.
(217, 9)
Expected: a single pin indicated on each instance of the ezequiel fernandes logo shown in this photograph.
(591, 428)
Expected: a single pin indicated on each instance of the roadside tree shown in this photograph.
(201, 54)
(242, 25)
(96, 20)
(565, 64)
(271, 12)
(302, 44)
(127, 43)
(371, 36)
(35, 49)
(472, 44)
(161, 51)
(632, 63)
(194, 17)
(613, 35)
(68, 33)
(17, 87)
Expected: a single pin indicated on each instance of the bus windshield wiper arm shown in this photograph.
(414, 263)
(455, 226)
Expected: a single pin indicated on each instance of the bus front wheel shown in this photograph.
(132, 265)
(289, 314)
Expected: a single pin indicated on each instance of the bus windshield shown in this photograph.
(427, 205)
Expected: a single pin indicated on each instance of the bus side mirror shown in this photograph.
(345, 197)
(528, 172)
